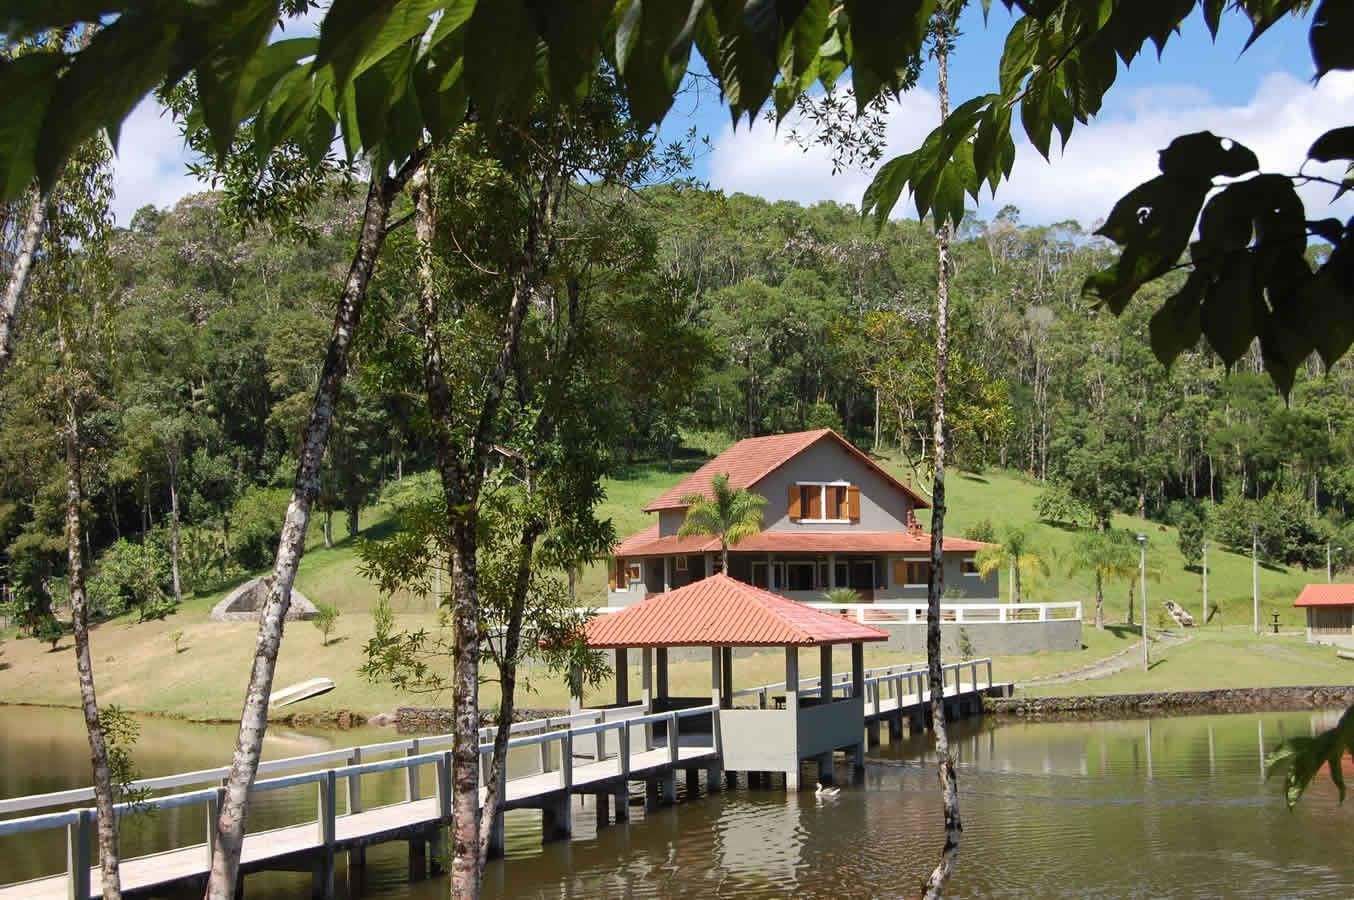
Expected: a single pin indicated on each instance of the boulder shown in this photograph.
(245, 603)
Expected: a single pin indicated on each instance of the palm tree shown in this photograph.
(1017, 555)
(732, 514)
(1106, 554)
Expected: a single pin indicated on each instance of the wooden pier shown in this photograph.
(640, 756)
(599, 752)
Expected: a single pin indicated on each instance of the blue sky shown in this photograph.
(1263, 98)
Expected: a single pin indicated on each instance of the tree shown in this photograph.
(326, 617)
(1016, 554)
(942, 32)
(1105, 554)
(731, 514)
(1190, 524)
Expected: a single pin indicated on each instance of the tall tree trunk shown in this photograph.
(328, 529)
(724, 559)
(174, 529)
(254, 720)
(353, 523)
(98, 747)
(1132, 583)
(18, 276)
(461, 476)
(949, 785)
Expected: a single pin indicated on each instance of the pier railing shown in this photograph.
(79, 823)
(887, 681)
(886, 614)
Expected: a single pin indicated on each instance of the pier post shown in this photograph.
(693, 783)
(825, 767)
(622, 677)
(557, 818)
(322, 883)
(661, 658)
(496, 836)
(79, 854)
(668, 786)
(650, 794)
(418, 859)
(895, 728)
(357, 856)
(858, 764)
(714, 780)
(437, 849)
(872, 732)
(411, 786)
(621, 799)
(603, 802)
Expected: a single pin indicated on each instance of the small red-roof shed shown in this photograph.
(1330, 613)
(720, 611)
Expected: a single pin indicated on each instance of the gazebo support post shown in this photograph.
(646, 691)
(825, 673)
(716, 675)
(622, 677)
(662, 673)
(726, 669)
(858, 692)
(792, 706)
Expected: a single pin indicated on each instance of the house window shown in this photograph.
(835, 501)
(968, 565)
(632, 573)
(681, 564)
(799, 576)
(911, 572)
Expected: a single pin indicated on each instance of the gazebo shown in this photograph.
(722, 613)
(1330, 613)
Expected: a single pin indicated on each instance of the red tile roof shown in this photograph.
(1326, 595)
(722, 611)
(752, 459)
(648, 543)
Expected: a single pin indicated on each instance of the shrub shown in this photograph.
(1057, 506)
(841, 595)
(131, 576)
(176, 637)
(326, 617)
(256, 526)
(981, 530)
(49, 630)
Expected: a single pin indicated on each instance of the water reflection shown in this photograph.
(1140, 808)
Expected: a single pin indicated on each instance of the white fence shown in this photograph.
(885, 614)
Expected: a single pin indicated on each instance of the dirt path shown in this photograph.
(1124, 659)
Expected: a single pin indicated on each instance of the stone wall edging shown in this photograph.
(1221, 700)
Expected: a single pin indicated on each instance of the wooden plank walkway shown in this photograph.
(303, 845)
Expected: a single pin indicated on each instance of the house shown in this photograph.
(1330, 613)
(834, 518)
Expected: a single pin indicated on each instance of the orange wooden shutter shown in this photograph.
(815, 510)
(853, 500)
(796, 511)
(900, 571)
(617, 578)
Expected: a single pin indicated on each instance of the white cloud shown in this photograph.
(151, 162)
(1103, 160)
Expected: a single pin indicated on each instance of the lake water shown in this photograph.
(1169, 807)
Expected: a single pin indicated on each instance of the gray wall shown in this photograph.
(968, 587)
(670, 521)
(988, 638)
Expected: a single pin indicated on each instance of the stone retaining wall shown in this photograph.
(439, 719)
(1225, 700)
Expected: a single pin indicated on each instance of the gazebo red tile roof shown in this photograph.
(722, 611)
(648, 543)
(752, 459)
(1326, 595)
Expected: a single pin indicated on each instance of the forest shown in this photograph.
(727, 316)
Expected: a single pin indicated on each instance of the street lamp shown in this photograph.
(1142, 576)
(1204, 621)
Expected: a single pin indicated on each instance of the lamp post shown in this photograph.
(1142, 577)
(1204, 621)
(1255, 577)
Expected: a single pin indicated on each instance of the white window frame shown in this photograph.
(822, 501)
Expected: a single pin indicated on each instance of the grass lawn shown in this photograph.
(1219, 658)
(137, 667)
